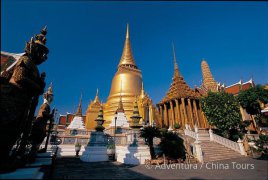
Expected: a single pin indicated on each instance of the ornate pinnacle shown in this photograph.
(97, 97)
(127, 56)
(176, 68)
(79, 108)
(127, 33)
(49, 89)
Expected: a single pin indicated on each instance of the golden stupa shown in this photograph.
(126, 86)
(129, 77)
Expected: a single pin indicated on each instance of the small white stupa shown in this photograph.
(120, 119)
(77, 122)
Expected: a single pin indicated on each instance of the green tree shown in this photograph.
(172, 145)
(148, 133)
(251, 99)
(222, 111)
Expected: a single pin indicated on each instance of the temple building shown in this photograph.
(126, 85)
(181, 104)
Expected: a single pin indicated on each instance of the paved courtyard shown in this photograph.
(242, 168)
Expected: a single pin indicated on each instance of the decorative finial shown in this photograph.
(44, 30)
(49, 89)
(97, 96)
(176, 68)
(79, 108)
(127, 34)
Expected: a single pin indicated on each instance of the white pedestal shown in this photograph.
(95, 154)
(132, 155)
(96, 150)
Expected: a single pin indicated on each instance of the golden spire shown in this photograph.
(127, 56)
(96, 100)
(176, 68)
(142, 91)
(79, 108)
(208, 80)
(120, 105)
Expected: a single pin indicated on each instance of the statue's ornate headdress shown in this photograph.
(39, 40)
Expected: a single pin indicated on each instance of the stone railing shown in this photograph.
(236, 146)
(190, 133)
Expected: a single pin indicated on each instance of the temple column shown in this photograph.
(165, 115)
(161, 115)
(191, 111)
(151, 118)
(178, 112)
(172, 114)
(182, 115)
(196, 113)
(184, 111)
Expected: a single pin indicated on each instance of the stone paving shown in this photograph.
(241, 168)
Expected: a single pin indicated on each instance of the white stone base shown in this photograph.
(95, 154)
(132, 155)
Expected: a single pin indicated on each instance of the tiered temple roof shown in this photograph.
(178, 88)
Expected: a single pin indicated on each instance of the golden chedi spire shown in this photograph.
(126, 84)
(79, 108)
(127, 58)
(208, 81)
(178, 88)
(96, 100)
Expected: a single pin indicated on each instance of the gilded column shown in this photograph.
(172, 114)
(165, 115)
(161, 115)
(151, 114)
(182, 115)
(196, 113)
(191, 112)
(184, 111)
(178, 119)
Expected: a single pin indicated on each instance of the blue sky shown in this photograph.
(86, 38)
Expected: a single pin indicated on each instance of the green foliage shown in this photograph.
(110, 146)
(172, 145)
(77, 144)
(262, 143)
(176, 126)
(222, 111)
(148, 133)
(250, 99)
